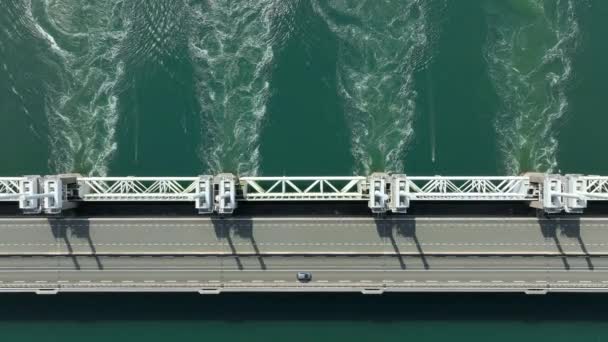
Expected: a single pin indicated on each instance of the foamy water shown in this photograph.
(381, 45)
(81, 107)
(231, 49)
(530, 53)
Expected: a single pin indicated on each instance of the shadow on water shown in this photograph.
(66, 231)
(553, 228)
(326, 307)
(388, 229)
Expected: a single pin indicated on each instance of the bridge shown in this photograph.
(383, 192)
(52, 248)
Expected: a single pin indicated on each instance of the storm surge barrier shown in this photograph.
(383, 192)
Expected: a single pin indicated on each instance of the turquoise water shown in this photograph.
(273, 87)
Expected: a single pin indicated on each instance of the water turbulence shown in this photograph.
(23, 123)
(529, 52)
(381, 46)
(232, 51)
(83, 40)
(157, 96)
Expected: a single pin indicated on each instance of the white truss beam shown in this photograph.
(594, 187)
(383, 192)
(438, 188)
(302, 188)
(139, 188)
(10, 188)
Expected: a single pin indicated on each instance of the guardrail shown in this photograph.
(383, 192)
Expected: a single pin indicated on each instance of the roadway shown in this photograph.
(278, 273)
(263, 254)
(313, 236)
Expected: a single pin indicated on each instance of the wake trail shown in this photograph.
(231, 47)
(529, 53)
(82, 41)
(381, 46)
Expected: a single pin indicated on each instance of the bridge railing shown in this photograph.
(303, 188)
(384, 192)
(138, 188)
(10, 188)
(468, 188)
(594, 187)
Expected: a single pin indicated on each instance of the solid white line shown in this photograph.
(151, 220)
(354, 270)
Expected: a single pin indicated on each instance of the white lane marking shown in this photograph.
(149, 281)
(345, 219)
(343, 281)
(105, 281)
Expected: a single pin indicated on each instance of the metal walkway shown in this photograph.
(383, 192)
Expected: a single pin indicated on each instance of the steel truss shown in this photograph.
(10, 188)
(550, 192)
(303, 188)
(138, 188)
(594, 187)
(438, 188)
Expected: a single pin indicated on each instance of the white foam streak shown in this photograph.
(231, 49)
(530, 62)
(382, 47)
(82, 107)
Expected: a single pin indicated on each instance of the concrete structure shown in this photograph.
(51, 252)
(368, 255)
(382, 192)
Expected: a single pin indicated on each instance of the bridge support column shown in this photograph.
(378, 194)
(551, 192)
(575, 186)
(550, 189)
(62, 189)
(29, 203)
(400, 199)
(204, 195)
(224, 187)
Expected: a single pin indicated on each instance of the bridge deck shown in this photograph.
(344, 254)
